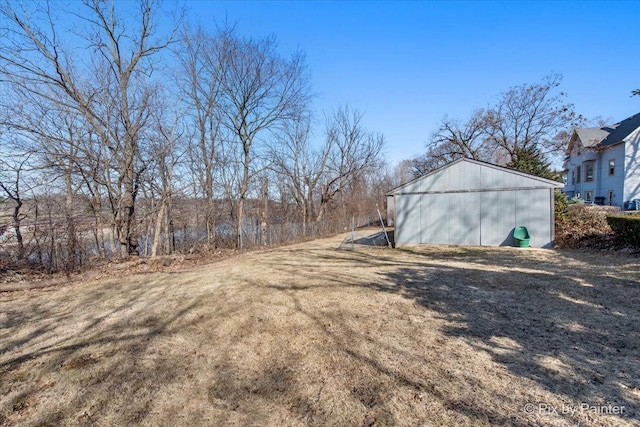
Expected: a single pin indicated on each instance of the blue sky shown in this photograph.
(407, 64)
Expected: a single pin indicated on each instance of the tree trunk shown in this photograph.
(101, 245)
(115, 240)
(16, 225)
(158, 229)
(210, 212)
(309, 207)
(70, 263)
(265, 214)
(322, 209)
(211, 223)
(96, 206)
(128, 236)
(246, 144)
(172, 238)
(170, 245)
(239, 221)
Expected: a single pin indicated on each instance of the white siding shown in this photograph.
(621, 183)
(615, 182)
(579, 155)
(632, 167)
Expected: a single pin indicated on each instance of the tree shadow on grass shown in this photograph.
(568, 326)
(525, 313)
(587, 328)
(110, 355)
(374, 391)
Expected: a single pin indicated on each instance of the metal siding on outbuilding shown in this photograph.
(464, 225)
(407, 228)
(474, 203)
(532, 210)
(434, 219)
(497, 218)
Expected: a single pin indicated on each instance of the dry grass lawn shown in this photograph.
(310, 335)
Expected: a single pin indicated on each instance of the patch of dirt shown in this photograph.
(79, 362)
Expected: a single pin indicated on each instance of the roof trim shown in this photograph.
(550, 182)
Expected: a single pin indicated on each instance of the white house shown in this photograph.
(602, 164)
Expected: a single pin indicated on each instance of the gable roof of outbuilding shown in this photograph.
(533, 181)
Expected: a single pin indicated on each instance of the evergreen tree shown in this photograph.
(531, 160)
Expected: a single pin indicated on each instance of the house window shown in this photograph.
(579, 172)
(612, 167)
(573, 177)
(588, 196)
(588, 172)
(610, 197)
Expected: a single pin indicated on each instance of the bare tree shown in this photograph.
(524, 117)
(61, 154)
(55, 134)
(352, 152)
(455, 139)
(531, 115)
(12, 169)
(301, 165)
(201, 63)
(94, 167)
(166, 153)
(110, 88)
(261, 90)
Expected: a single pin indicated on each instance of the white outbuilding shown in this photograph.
(468, 202)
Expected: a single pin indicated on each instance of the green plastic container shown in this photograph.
(521, 237)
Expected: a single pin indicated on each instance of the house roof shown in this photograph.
(621, 130)
(608, 135)
(502, 178)
(591, 137)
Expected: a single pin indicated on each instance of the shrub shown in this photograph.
(576, 200)
(583, 225)
(626, 228)
(561, 205)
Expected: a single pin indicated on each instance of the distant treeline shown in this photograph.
(120, 137)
